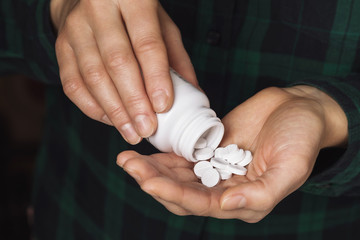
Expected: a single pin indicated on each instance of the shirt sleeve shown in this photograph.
(27, 40)
(338, 173)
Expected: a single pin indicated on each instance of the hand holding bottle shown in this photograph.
(284, 128)
(114, 58)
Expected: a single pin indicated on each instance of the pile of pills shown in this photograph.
(213, 166)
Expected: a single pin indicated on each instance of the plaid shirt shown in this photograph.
(237, 48)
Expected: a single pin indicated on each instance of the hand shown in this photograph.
(114, 58)
(284, 128)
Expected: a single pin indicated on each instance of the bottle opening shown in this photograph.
(213, 137)
(203, 124)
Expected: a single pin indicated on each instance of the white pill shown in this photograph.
(219, 163)
(210, 178)
(220, 152)
(236, 169)
(202, 167)
(224, 174)
(235, 156)
(247, 158)
(203, 154)
(201, 143)
(231, 148)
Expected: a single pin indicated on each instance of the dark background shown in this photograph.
(21, 123)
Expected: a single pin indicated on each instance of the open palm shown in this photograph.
(285, 132)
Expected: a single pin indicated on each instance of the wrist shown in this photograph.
(335, 120)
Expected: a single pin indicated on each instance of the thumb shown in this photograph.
(262, 193)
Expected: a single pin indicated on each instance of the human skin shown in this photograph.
(114, 55)
(114, 58)
(285, 130)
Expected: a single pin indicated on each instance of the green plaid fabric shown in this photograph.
(237, 48)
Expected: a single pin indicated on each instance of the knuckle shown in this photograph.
(71, 86)
(157, 74)
(71, 20)
(135, 101)
(147, 43)
(117, 113)
(62, 44)
(59, 43)
(93, 75)
(92, 111)
(118, 60)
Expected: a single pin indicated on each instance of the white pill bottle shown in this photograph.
(189, 119)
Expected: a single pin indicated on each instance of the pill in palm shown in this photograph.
(201, 143)
(231, 148)
(247, 158)
(237, 169)
(220, 152)
(203, 153)
(224, 174)
(210, 178)
(235, 156)
(218, 163)
(224, 162)
(201, 167)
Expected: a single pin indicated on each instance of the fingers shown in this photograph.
(192, 197)
(85, 78)
(122, 52)
(157, 165)
(146, 38)
(199, 207)
(75, 88)
(100, 85)
(182, 194)
(122, 66)
(176, 188)
(170, 160)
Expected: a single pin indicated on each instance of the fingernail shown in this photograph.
(233, 202)
(143, 124)
(133, 174)
(159, 101)
(129, 133)
(106, 120)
